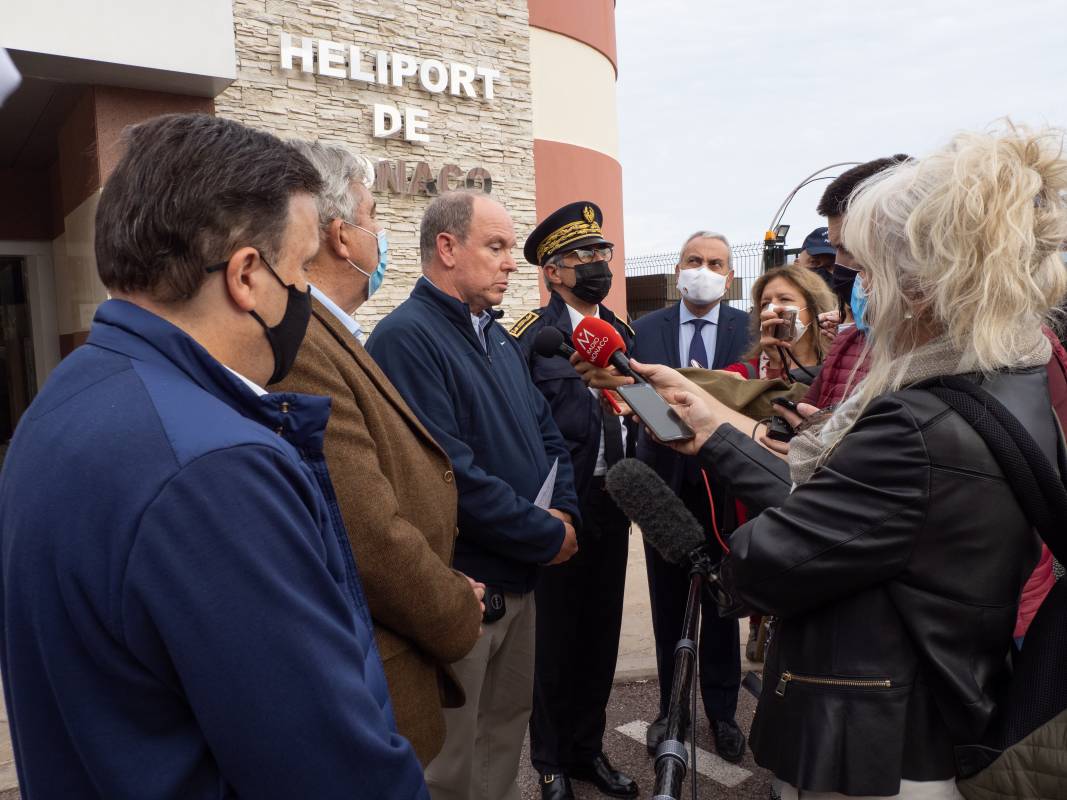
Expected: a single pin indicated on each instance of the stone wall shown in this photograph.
(496, 134)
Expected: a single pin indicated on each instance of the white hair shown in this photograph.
(710, 235)
(339, 168)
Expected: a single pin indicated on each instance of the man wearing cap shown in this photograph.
(579, 603)
(818, 255)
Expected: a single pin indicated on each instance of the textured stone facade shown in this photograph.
(496, 134)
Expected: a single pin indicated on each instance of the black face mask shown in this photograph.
(286, 337)
(592, 281)
(841, 285)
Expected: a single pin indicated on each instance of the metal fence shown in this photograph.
(650, 282)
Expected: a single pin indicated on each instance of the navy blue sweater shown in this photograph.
(483, 409)
(181, 613)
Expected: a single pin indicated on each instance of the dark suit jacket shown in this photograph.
(656, 342)
(577, 412)
(397, 494)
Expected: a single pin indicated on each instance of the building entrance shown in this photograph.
(18, 374)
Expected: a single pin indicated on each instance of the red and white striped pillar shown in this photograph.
(573, 69)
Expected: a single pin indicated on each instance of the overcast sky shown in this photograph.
(725, 105)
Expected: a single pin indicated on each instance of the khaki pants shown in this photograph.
(483, 739)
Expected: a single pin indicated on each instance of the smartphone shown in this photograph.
(784, 330)
(654, 412)
(780, 430)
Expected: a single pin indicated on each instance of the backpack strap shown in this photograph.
(1037, 485)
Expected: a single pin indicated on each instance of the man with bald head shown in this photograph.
(467, 381)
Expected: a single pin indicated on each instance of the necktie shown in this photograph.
(697, 351)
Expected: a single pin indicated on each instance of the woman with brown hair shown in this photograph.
(778, 287)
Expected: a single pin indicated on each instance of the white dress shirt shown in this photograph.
(347, 320)
(255, 387)
(601, 467)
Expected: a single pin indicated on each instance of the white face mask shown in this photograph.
(701, 285)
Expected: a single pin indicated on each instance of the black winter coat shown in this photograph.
(896, 573)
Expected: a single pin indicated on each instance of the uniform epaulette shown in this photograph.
(519, 328)
(626, 325)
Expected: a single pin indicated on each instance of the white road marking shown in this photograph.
(708, 764)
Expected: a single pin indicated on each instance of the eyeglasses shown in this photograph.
(586, 255)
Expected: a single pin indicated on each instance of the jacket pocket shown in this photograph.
(788, 677)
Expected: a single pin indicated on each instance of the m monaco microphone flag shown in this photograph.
(650, 504)
(598, 342)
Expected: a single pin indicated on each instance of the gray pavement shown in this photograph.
(635, 699)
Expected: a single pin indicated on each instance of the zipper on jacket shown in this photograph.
(852, 683)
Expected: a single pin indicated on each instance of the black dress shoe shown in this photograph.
(654, 735)
(729, 740)
(605, 777)
(556, 787)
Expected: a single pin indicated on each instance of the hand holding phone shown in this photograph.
(654, 412)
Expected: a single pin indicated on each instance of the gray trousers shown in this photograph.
(483, 739)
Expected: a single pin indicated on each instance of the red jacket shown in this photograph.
(1042, 579)
(828, 388)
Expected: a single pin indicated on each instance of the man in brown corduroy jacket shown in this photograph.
(394, 485)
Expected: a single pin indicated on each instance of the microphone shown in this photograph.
(598, 342)
(664, 520)
(668, 526)
(550, 342)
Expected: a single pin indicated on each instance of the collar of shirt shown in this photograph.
(255, 387)
(578, 316)
(685, 314)
(480, 321)
(347, 320)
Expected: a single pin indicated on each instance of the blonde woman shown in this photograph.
(785, 286)
(897, 562)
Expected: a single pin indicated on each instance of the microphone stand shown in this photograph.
(671, 755)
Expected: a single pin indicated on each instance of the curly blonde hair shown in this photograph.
(962, 244)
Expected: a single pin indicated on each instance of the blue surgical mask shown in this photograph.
(859, 304)
(375, 278)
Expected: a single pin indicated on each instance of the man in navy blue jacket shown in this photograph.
(700, 330)
(181, 613)
(467, 380)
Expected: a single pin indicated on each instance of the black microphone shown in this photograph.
(664, 520)
(668, 526)
(551, 342)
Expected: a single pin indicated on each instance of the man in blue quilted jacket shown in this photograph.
(181, 613)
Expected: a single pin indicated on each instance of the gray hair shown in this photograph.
(451, 213)
(710, 235)
(339, 168)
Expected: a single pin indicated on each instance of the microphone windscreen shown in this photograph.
(664, 520)
(549, 342)
(596, 339)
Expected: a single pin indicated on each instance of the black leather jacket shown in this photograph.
(896, 573)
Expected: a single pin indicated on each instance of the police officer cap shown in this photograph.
(575, 225)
